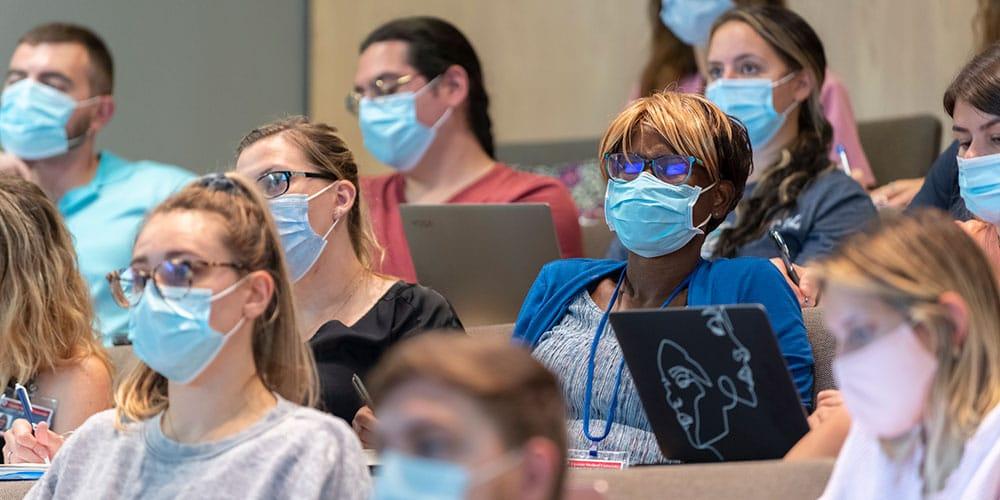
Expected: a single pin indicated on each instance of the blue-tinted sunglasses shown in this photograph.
(672, 169)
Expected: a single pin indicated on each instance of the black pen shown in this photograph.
(359, 387)
(786, 258)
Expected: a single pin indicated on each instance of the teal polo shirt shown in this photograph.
(104, 217)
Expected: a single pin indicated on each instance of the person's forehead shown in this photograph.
(381, 58)
(182, 231)
(735, 39)
(69, 58)
(275, 151)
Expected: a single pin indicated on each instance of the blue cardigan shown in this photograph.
(745, 280)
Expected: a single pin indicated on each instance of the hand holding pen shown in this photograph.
(26, 441)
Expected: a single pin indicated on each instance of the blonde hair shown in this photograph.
(284, 362)
(909, 262)
(46, 318)
(690, 125)
(325, 150)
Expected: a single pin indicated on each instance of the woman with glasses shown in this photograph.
(423, 110)
(916, 316)
(213, 409)
(47, 339)
(676, 166)
(349, 313)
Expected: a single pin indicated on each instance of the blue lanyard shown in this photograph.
(592, 362)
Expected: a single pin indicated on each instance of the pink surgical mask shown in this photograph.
(885, 384)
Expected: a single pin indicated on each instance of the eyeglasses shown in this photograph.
(274, 184)
(672, 169)
(380, 87)
(171, 278)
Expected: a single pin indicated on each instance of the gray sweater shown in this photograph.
(293, 452)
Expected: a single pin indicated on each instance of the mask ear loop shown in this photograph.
(317, 193)
(709, 218)
(444, 116)
(75, 142)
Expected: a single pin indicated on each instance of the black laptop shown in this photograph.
(712, 381)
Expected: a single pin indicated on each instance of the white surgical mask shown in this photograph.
(885, 384)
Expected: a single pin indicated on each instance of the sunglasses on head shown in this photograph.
(672, 169)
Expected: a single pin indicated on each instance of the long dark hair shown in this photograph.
(434, 46)
(978, 83)
(779, 186)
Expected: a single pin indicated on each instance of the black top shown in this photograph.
(342, 351)
(940, 189)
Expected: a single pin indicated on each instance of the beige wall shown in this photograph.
(561, 69)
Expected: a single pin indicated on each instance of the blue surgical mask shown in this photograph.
(691, 20)
(173, 336)
(979, 185)
(301, 244)
(751, 100)
(392, 132)
(33, 118)
(406, 477)
(650, 217)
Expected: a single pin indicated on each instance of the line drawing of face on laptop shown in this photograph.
(702, 401)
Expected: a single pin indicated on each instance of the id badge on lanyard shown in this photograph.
(10, 409)
(595, 458)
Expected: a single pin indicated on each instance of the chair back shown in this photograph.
(901, 148)
(824, 346)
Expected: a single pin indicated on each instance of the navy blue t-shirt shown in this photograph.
(940, 189)
(832, 207)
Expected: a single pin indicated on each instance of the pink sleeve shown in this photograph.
(840, 114)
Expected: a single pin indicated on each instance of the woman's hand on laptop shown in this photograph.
(364, 426)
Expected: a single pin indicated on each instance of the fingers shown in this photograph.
(829, 398)
(364, 426)
(808, 286)
(20, 448)
(48, 442)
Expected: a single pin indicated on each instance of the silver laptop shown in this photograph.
(482, 258)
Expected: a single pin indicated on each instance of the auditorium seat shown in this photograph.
(900, 148)
(768, 479)
(824, 346)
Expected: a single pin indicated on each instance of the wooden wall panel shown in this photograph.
(561, 69)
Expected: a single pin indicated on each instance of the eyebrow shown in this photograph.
(173, 254)
(956, 128)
